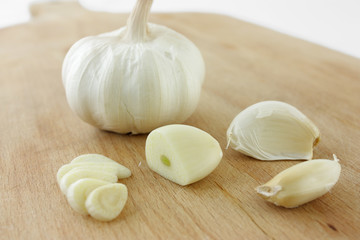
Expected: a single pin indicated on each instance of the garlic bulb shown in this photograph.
(273, 130)
(134, 79)
(301, 183)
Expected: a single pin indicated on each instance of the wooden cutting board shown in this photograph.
(245, 64)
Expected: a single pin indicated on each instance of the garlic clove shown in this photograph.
(273, 130)
(183, 154)
(301, 183)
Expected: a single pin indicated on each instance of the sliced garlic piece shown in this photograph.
(301, 183)
(80, 190)
(77, 174)
(181, 153)
(92, 157)
(273, 130)
(114, 168)
(106, 202)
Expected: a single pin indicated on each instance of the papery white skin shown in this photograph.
(273, 130)
(134, 79)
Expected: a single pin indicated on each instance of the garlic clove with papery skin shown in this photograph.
(301, 183)
(273, 130)
(134, 79)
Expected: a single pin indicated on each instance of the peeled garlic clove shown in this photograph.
(301, 183)
(183, 154)
(134, 79)
(80, 190)
(105, 203)
(273, 130)
(77, 174)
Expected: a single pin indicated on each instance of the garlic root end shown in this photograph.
(266, 191)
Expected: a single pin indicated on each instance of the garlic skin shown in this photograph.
(273, 130)
(301, 183)
(134, 79)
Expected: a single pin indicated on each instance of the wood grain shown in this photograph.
(245, 64)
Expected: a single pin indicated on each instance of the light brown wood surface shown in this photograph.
(245, 64)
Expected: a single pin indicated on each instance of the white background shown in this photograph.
(331, 23)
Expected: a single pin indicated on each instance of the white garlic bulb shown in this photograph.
(134, 79)
(273, 130)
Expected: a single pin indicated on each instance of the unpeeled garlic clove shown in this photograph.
(301, 183)
(273, 130)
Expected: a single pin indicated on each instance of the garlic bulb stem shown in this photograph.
(137, 28)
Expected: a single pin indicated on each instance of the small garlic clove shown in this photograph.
(183, 154)
(301, 183)
(273, 130)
